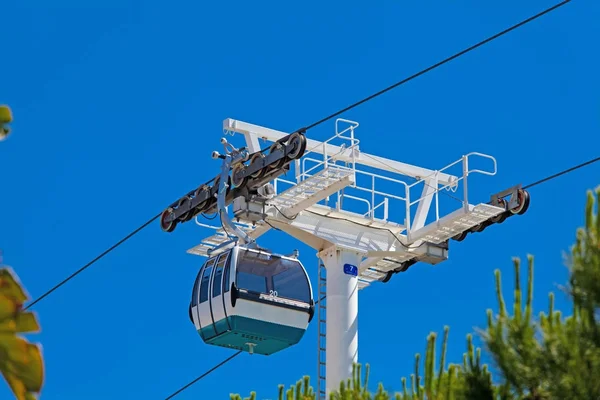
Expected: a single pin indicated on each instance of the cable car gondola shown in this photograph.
(252, 300)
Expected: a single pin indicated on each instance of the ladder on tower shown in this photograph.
(322, 331)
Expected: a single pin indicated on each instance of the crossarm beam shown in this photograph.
(314, 146)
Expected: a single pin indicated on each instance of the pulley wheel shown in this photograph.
(261, 172)
(186, 216)
(281, 162)
(461, 236)
(297, 144)
(500, 218)
(479, 227)
(523, 200)
(167, 226)
(200, 207)
(238, 182)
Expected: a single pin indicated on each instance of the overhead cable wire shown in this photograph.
(101, 255)
(204, 374)
(566, 171)
(89, 264)
(439, 64)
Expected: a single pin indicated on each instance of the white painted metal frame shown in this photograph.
(317, 179)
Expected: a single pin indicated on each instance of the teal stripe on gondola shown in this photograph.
(269, 337)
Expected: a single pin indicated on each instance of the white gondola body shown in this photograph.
(252, 300)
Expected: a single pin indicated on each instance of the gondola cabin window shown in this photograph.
(198, 281)
(205, 280)
(217, 284)
(226, 283)
(195, 290)
(290, 281)
(271, 275)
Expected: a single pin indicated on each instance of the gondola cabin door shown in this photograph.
(218, 290)
(208, 295)
(201, 297)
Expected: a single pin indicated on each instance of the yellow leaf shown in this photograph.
(10, 286)
(26, 322)
(8, 326)
(16, 386)
(16, 346)
(33, 375)
(5, 115)
(27, 366)
(8, 307)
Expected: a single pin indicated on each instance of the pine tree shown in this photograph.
(585, 267)
(553, 358)
(440, 385)
(475, 379)
(471, 381)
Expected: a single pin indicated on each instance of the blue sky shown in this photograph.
(118, 105)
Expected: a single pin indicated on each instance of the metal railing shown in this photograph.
(302, 173)
(309, 166)
(454, 185)
(377, 198)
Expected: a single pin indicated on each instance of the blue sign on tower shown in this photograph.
(350, 269)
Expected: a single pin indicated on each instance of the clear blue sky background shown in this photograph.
(118, 105)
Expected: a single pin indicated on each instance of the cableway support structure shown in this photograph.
(366, 216)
